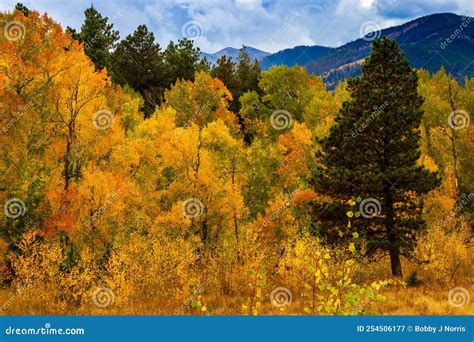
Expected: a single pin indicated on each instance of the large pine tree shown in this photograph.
(138, 62)
(183, 59)
(224, 69)
(372, 153)
(247, 76)
(98, 37)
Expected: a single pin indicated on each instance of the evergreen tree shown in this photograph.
(247, 77)
(224, 69)
(183, 60)
(372, 153)
(73, 33)
(22, 8)
(98, 37)
(138, 62)
(204, 65)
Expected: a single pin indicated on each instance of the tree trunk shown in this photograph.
(452, 137)
(70, 157)
(395, 262)
(392, 238)
(236, 226)
(67, 167)
(457, 224)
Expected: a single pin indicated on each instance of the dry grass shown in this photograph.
(423, 300)
(426, 299)
(429, 298)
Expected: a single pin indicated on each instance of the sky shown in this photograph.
(269, 25)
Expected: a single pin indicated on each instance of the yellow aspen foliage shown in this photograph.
(296, 148)
(200, 102)
(446, 256)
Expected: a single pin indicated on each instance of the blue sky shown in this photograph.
(270, 25)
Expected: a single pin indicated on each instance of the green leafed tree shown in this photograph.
(99, 38)
(372, 154)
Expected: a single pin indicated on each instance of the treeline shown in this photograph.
(139, 62)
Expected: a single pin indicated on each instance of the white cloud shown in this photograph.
(270, 25)
(366, 3)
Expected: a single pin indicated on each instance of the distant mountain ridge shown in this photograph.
(299, 55)
(429, 42)
(426, 41)
(234, 54)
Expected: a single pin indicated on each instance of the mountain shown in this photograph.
(234, 54)
(300, 55)
(429, 42)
